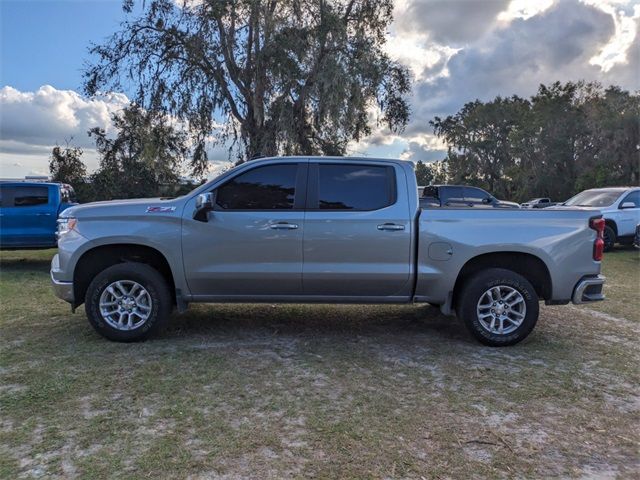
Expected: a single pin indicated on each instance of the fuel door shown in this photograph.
(441, 251)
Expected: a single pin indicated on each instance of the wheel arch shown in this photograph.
(98, 258)
(611, 223)
(531, 267)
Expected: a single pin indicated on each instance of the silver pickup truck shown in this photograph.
(322, 230)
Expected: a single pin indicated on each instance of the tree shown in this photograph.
(478, 143)
(423, 175)
(431, 173)
(549, 141)
(65, 165)
(612, 118)
(272, 76)
(146, 153)
(564, 139)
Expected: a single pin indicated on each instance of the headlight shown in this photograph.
(65, 225)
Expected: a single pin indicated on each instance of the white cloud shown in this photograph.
(626, 28)
(538, 42)
(32, 123)
(48, 115)
(524, 9)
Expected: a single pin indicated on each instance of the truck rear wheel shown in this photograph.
(499, 307)
(128, 302)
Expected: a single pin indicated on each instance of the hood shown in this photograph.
(128, 207)
(511, 204)
(568, 207)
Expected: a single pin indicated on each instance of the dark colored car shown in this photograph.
(460, 196)
(29, 212)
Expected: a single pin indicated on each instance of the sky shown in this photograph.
(457, 51)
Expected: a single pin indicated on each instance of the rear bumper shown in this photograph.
(61, 289)
(589, 289)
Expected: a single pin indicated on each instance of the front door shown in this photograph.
(629, 217)
(27, 216)
(251, 244)
(357, 240)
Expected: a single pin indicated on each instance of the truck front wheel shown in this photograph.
(128, 302)
(499, 307)
(609, 238)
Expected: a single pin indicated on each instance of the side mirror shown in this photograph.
(627, 205)
(204, 204)
(487, 200)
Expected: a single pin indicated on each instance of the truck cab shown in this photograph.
(29, 211)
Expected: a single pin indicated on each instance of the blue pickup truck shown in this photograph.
(29, 213)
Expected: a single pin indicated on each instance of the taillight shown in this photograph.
(598, 246)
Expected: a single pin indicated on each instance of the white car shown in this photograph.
(620, 207)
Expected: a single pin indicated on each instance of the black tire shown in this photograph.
(609, 238)
(151, 280)
(476, 287)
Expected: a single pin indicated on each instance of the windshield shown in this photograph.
(594, 198)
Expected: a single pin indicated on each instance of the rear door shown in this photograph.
(357, 240)
(27, 216)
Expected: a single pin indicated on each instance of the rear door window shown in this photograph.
(24, 196)
(452, 195)
(355, 187)
(475, 195)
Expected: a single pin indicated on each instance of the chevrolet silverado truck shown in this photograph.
(322, 230)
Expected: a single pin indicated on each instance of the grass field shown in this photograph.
(261, 391)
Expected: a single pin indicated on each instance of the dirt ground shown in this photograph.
(290, 391)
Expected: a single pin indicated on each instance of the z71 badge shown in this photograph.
(160, 209)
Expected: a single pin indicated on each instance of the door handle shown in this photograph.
(283, 226)
(43, 214)
(390, 227)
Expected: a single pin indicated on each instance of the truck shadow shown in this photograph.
(251, 321)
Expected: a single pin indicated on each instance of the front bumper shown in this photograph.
(61, 289)
(589, 289)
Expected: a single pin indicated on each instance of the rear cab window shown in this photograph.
(354, 187)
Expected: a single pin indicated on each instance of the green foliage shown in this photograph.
(431, 173)
(274, 76)
(145, 154)
(66, 166)
(566, 138)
